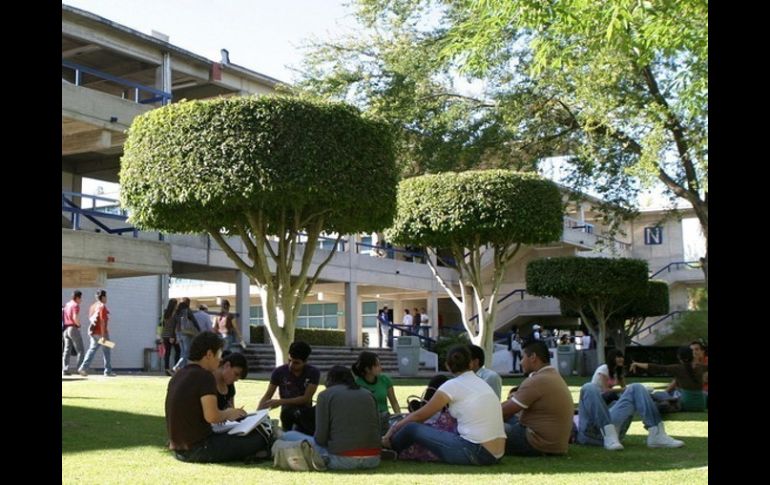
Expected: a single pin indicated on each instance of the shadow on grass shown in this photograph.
(89, 429)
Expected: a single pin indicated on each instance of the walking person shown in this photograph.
(99, 316)
(168, 335)
(71, 334)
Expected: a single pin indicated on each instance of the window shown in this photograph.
(318, 315)
(255, 315)
(369, 314)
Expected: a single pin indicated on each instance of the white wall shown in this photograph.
(134, 305)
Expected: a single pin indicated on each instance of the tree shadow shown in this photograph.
(88, 429)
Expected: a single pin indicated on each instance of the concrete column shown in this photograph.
(243, 303)
(164, 281)
(433, 314)
(352, 318)
(163, 74)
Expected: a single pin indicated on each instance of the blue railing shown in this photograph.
(158, 95)
(676, 266)
(94, 214)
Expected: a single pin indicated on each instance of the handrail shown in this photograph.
(508, 295)
(92, 215)
(690, 264)
(162, 96)
(408, 330)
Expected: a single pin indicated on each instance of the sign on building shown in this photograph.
(653, 235)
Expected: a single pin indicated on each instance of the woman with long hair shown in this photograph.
(689, 377)
(168, 334)
(369, 376)
(610, 375)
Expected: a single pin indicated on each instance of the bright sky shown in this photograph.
(261, 35)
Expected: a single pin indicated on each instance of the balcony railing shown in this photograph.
(155, 94)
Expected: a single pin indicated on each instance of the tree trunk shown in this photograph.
(281, 330)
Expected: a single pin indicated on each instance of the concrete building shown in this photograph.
(112, 73)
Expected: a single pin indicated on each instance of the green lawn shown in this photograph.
(113, 431)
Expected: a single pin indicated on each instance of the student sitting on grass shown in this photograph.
(369, 376)
(191, 409)
(347, 431)
(232, 368)
(689, 377)
(481, 438)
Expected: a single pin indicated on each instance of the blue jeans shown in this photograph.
(223, 447)
(92, 352)
(594, 413)
(516, 442)
(334, 462)
(449, 447)
(184, 345)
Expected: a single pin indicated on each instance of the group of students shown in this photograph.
(461, 421)
(180, 324)
(98, 333)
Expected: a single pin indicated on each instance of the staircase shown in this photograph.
(261, 358)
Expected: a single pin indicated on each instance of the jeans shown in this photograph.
(223, 447)
(516, 356)
(449, 447)
(334, 462)
(516, 442)
(594, 413)
(92, 352)
(184, 345)
(72, 338)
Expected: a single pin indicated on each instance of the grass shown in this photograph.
(113, 431)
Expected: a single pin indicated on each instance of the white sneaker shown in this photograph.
(659, 439)
(611, 440)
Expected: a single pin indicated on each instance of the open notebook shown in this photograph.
(244, 426)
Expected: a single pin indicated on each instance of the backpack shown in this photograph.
(297, 456)
(188, 325)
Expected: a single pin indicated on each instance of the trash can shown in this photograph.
(151, 360)
(591, 361)
(408, 353)
(566, 360)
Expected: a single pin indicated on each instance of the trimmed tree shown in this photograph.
(597, 289)
(470, 213)
(627, 323)
(269, 171)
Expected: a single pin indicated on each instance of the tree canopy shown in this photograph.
(597, 289)
(206, 164)
(470, 213)
(618, 87)
(277, 172)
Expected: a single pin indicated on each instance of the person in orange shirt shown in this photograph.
(99, 317)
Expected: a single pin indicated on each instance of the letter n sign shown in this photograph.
(653, 235)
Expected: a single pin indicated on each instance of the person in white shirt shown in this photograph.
(480, 438)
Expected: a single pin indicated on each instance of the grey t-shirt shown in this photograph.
(346, 419)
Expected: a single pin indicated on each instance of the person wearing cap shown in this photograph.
(99, 316)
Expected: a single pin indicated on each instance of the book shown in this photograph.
(244, 426)
(107, 343)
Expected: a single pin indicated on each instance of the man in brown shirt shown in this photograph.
(191, 409)
(538, 416)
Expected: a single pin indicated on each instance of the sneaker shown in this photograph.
(387, 454)
(659, 439)
(66, 373)
(611, 440)
(110, 374)
(83, 372)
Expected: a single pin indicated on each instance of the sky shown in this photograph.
(261, 35)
